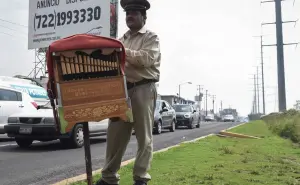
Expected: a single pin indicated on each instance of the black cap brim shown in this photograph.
(135, 5)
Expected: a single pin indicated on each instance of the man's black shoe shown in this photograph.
(101, 182)
(140, 183)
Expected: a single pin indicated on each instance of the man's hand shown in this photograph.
(147, 55)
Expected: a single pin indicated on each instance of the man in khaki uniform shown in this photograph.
(142, 71)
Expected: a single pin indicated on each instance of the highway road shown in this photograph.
(47, 163)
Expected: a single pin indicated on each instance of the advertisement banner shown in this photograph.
(50, 20)
(34, 92)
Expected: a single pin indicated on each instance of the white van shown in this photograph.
(14, 101)
(37, 93)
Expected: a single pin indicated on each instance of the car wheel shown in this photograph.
(23, 143)
(173, 126)
(158, 128)
(76, 140)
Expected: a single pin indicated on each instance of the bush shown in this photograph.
(286, 124)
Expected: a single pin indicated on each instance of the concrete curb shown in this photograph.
(231, 134)
(82, 177)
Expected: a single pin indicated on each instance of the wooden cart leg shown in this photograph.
(87, 151)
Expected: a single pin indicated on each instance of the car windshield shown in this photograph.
(182, 108)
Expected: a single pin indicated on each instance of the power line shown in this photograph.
(13, 23)
(12, 29)
(7, 34)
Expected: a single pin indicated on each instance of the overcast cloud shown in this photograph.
(209, 43)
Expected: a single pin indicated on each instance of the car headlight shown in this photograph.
(12, 120)
(49, 120)
(187, 116)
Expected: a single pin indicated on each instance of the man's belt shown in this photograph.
(142, 82)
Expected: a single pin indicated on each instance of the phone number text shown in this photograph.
(56, 19)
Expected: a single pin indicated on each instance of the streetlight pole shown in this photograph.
(179, 88)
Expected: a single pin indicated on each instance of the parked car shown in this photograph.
(13, 101)
(187, 116)
(164, 117)
(209, 117)
(34, 90)
(39, 125)
(229, 118)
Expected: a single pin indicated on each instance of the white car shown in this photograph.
(209, 117)
(39, 125)
(229, 118)
(13, 101)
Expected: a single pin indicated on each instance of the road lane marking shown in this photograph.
(17, 144)
(8, 145)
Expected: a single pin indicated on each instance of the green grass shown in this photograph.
(227, 161)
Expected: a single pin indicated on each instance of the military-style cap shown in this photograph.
(135, 5)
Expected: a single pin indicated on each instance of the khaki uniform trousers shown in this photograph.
(143, 102)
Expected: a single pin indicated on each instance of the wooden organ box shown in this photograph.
(87, 81)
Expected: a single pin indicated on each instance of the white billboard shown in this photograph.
(50, 20)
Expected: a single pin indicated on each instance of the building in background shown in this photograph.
(173, 99)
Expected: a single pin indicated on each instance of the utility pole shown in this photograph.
(280, 53)
(262, 74)
(213, 102)
(255, 96)
(257, 84)
(199, 88)
(280, 57)
(206, 102)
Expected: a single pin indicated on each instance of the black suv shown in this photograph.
(187, 115)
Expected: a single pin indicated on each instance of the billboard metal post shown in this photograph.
(87, 152)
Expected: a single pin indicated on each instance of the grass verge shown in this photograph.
(229, 161)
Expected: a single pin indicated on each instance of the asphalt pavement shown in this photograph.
(48, 162)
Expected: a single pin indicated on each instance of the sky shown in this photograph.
(208, 43)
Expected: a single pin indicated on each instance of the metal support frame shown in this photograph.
(40, 68)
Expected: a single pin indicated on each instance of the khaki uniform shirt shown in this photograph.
(142, 55)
